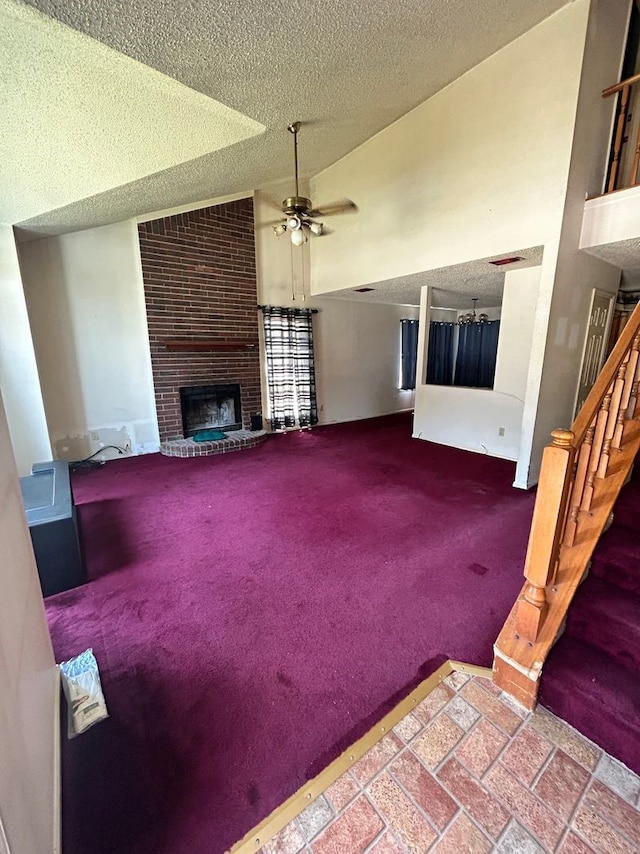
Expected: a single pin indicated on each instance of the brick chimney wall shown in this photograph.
(199, 273)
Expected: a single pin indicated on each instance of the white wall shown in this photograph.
(29, 749)
(519, 304)
(359, 348)
(479, 169)
(356, 344)
(568, 275)
(85, 297)
(19, 381)
(556, 357)
(473, 419)
(500, 160)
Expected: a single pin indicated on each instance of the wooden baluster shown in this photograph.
(546, 530)
(636, 162)
(633, 410)
(634, 402)
(617, 143)
(612, 419)
(579, 482)
(630, 378)
(596, 449)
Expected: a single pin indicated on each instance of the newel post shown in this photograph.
(546, 533)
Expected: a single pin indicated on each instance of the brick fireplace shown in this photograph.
(200, 289)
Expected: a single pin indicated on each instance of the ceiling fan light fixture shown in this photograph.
(299, 213)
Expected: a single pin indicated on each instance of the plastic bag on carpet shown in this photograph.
(83, 692)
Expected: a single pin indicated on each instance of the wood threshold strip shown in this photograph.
(293, 806)
(191, 345)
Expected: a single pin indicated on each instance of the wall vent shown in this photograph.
(502, 261)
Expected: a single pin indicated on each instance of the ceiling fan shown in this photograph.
(300, 215)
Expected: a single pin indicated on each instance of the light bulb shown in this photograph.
(293, 223)
(315, 227)
(280, 228)
(297, 237)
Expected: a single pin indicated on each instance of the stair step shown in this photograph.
(600, 699)
(627, 508)
(617, 558)
(609, 619)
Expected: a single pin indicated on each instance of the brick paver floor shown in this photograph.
(469, 771)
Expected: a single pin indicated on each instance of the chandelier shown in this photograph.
(472, 317)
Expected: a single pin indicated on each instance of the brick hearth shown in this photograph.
(200, 290)
(236, 440)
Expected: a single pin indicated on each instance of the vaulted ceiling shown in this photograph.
(120, 108)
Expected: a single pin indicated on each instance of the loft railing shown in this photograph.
(583, 470)
(623, 169)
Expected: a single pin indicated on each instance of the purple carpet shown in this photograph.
(254, 613)
(591, 676)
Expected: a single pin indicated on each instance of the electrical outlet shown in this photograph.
(93, 436)
(500, 431)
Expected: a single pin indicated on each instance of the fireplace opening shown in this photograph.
(207, 406)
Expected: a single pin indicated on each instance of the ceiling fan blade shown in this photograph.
(342, 206)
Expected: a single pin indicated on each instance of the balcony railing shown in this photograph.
(625, 146)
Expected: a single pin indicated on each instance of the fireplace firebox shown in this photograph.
(210, 406)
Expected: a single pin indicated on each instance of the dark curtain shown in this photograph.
(440, 353)
(477, 350)
(409, 330)
(288, 338)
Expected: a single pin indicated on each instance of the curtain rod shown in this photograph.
(288, 308)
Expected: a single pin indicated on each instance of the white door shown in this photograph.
(595, 343)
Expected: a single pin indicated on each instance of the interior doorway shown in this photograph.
(594, 353)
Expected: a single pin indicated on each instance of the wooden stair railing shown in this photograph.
(616, 180)
(583, 470)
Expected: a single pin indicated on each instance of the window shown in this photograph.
(476, 356)
(288, 338)
(462, 354)
(441, 352)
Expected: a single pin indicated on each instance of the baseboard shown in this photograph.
(280, 817)
(57, 780)
(510, 458)
(352, 419)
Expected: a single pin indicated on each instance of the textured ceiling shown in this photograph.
(624, 254)
(453, 287)
(87, 103)
(346, 70)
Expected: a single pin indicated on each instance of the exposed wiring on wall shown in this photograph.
(91, 463)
